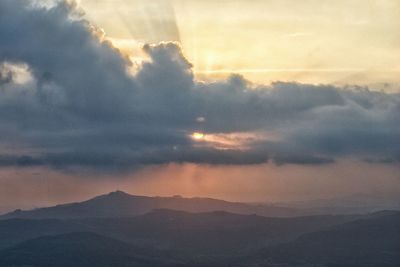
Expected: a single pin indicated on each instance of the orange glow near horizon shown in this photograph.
(29, 188)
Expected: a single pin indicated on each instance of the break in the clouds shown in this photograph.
(69, 101)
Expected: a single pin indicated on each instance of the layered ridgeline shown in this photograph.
(119, 229)
(121, 204)
(217, 231)
(370, 241)
(177, 238)
(83, 249)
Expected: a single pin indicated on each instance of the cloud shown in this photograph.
(5, 75)
(82, 109)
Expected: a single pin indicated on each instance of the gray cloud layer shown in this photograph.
(83, 109)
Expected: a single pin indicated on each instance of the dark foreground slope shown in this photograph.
(218, 233)
(82, 249)
(373, 241)
(119, 229)
(14, 231)
(172, 238)
(120, 204)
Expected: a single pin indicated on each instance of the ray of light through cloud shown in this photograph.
(138, 86)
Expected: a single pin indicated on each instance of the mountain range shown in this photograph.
(119, 229)
(121, 204)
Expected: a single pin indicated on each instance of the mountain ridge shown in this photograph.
(121, 204)
(82, 249)
(178, 238)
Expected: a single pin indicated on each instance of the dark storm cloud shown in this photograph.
(5, 76)
(83, 109)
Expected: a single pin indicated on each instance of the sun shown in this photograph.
(197, 136)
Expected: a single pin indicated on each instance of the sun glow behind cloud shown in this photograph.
(314, 42)
(198, 136)
(155, 112)
(236, 141)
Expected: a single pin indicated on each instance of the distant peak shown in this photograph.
(17, 211)
(118, 193)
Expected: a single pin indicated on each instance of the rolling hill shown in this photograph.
(370, 241)
(82, 249)
(213, 239)
(210, 232)
(118, 229)
(121, 204)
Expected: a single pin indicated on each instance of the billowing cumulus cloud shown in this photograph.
(83, 109)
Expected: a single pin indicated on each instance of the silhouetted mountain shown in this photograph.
(211, 232)
(120, 204)
(82, 249)
(352, 204)
(217, 233)
(371, 241)
(170, 238)
(13, 231)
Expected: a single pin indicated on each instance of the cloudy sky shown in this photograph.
(312, 41)
(242, 100)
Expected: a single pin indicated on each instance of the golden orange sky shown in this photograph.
(252, 183)
(313, 41)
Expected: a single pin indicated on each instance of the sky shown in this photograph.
(241, 100)
(313, 41)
